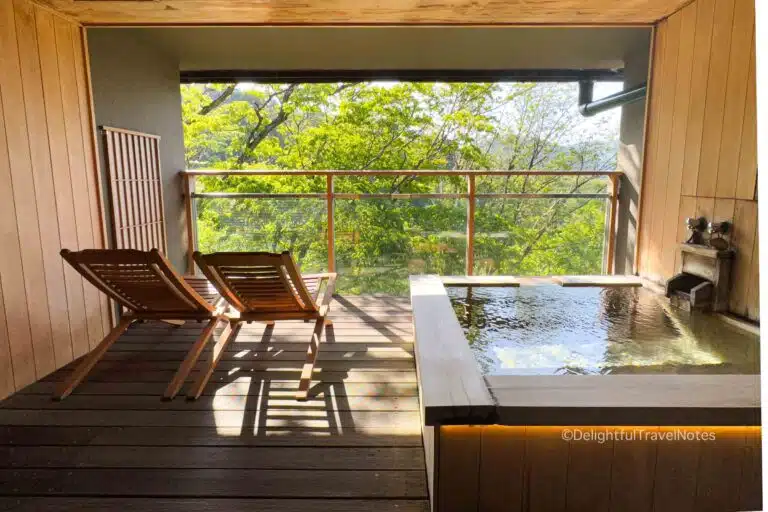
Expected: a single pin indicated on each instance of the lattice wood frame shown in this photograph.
(135, 190)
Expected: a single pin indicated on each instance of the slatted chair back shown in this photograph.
(142, 281)
(258, 282)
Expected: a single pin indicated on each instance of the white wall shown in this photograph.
(136, 86)
(630, 161)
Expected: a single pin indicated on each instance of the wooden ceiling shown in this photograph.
(169, 12)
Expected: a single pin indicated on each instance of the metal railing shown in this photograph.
(330, 195)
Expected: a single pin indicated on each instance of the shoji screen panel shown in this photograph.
(135, 189)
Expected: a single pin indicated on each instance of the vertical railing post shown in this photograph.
(190, 215)
(470, 224)
(329, 197)
(612, 224)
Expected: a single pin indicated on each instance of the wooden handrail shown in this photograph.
(425, 195)
(418, 172)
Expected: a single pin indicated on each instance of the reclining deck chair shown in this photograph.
(266, 287)
(145, 284)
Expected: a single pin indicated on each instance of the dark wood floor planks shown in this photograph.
(245, 444)
(208, 504)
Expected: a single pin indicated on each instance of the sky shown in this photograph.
(603, 89)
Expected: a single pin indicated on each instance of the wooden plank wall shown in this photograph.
(135, 190)
(701, 145)
(366, 12)
(48, 196)
(501, 468)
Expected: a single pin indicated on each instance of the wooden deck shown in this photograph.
(245, 444)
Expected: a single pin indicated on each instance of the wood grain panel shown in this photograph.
(57, 144)
(669, 76)
(675, 475)
(46, 195)
(68, 504)
(705, 207)
(65, 31)
(701, 138)
(746, 181)
(11, 280)
(633, 470)
(441, 349)
(589, 474)
(715, 102)
(719, 472)
(23, 187)
(217, 483)
(366, 11)
(16, 311)
(705, 12)
(682, 93)
(622, 469)
(739, 63)
(458, 489)
(546, 466)
(502, 469)
(187, 457)
(743, 237)
(751, 484)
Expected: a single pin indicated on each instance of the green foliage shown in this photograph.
(383, 126)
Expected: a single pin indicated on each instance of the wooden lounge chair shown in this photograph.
(266, 287)
(145, 284)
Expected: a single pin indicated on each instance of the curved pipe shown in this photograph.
(588, 107)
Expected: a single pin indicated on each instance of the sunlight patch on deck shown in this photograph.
(224, 401)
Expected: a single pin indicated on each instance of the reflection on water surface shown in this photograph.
(557, 330)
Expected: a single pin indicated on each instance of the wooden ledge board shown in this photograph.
(480, 281)
(516, 281)
(602, 281)
(677, 400)
(451, 387)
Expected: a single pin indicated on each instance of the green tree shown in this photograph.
(396, 126)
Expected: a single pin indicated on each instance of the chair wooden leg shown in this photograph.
(64, 389)
(229, 333)
(189, 361)
(309, 362)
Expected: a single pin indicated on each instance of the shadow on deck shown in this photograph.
(246, 444)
